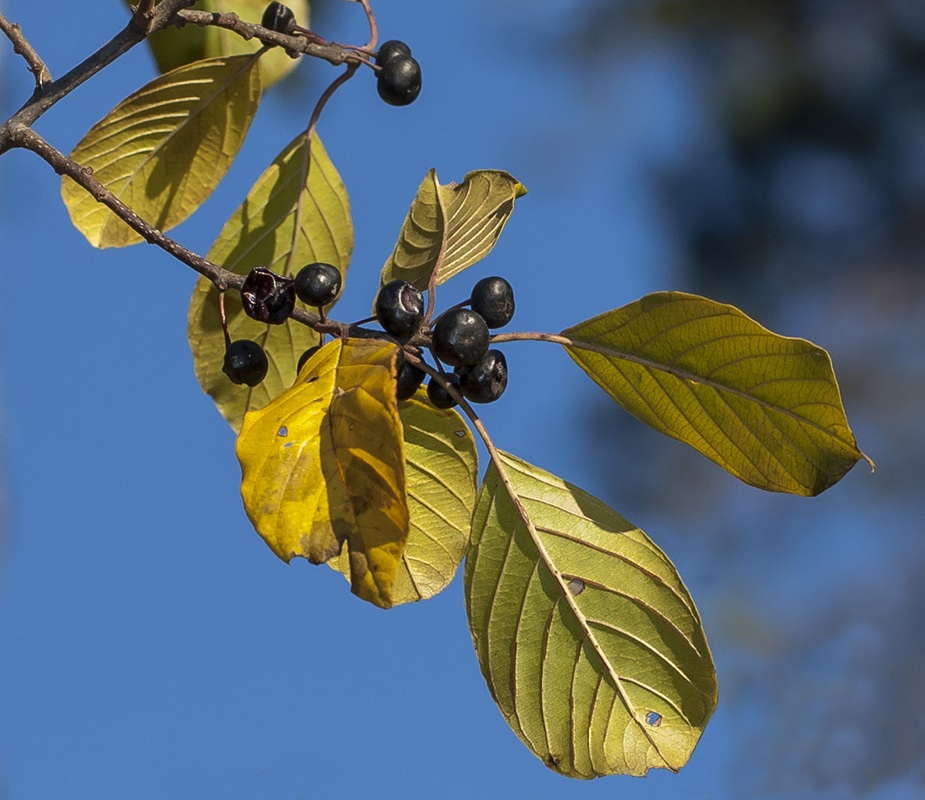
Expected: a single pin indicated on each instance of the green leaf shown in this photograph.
(174, 48)
(764, 407)
(451, 227)
(589, 642)
(164, 149)
(441, 470)
(324, 464)
(262, 232)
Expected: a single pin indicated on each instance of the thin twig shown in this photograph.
(294, 45)
(306, 160)
(22, 48)
(373, 27)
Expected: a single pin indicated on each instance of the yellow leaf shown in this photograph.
(441, 470)
(262, 232)
(764, 407)
(164, 149)
(174, 48)
(324, 464)
(451, 227)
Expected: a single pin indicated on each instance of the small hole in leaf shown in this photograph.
(459, 434)
(284, 431)
(653, 719)
(576, 586)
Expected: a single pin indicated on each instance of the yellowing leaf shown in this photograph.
(441, 470)
(174, 48)
(764, 407)
(262, 232)
(324, 464)
(589, 642)
(451, 227)
(164, 149)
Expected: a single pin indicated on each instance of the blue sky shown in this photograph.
(150, 643)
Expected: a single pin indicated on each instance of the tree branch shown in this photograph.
(222, 278)
(22, 48)
(120, 44)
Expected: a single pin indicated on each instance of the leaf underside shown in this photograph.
(765, 407)
(261, 232)
(324, 464)
(164, 149)
(589, 642)
(173, 48)
(453, 226)
(441, 470)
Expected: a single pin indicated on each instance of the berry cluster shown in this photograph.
(399, 82)
(459, 338)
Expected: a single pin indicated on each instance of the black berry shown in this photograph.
(305, 356)
(438, 395)
(388, 50)
(400, 309)
(278, 18)
(407, 381)
(493, 300)
(318, 284)
(486, 379)
(267, 297)
(245, 362)
(460, 337)
(399, 81)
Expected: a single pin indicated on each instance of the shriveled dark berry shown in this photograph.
(408, 381)
(245, 362)
(305, 356)
(318, 284)
(267, 297)
(399, 82)
(278, 17)
(400, 309)
(486, 379)
(460, 337)
(388, 50)
(493, 300)
(437, 393)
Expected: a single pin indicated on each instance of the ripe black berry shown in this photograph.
(399, 81)
(278, 18)
(305, 356)
(438, 395)
(245, 362)
(486, 379)
(318, 284)
(460, 337)
(388, 50)
(407, 381)
(493, 299)
(400, 309)
(267, 297)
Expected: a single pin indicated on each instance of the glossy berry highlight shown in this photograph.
(486, 379)
(245, 362)
(400, 309)
(493, 300)
(267, 297)
(318, 284)
(437, 393)
(460, 337)
(399, 81)
(278, 17)
(390, 49)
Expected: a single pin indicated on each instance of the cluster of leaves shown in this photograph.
(589, 641)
